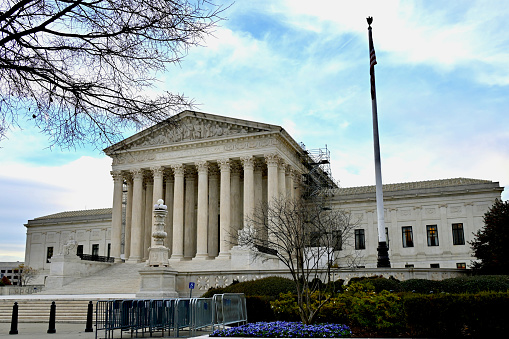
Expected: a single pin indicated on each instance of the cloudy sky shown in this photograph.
(442, 87)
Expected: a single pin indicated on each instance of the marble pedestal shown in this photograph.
(157, 283)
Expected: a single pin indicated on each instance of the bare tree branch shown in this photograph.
(306, 238)
(82, 70)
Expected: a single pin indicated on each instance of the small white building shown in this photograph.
(10, 269)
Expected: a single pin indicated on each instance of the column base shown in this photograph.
(176, 257)
(202, 257)
(223, 256)
(133, 260)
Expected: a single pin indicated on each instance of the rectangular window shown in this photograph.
(458, 237)
(432, 235)
(338, 240)
(434, 265)
(79, 250)
(408, 236)
(409, 265)
(461, 265)
(314, 239)
(360, 243)
(49, 253)
(109, 250)
(95, 249)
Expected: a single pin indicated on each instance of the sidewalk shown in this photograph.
(64, 331)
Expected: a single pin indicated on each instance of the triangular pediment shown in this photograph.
(190, 126)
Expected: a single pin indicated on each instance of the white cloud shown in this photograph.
(440, 34)
(81, 184)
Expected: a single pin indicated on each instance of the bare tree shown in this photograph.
(82, 70)
(307, 238)
(26, 274)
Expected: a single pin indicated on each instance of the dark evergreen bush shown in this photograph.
(420, 286)
(479, 315)
(266, 287)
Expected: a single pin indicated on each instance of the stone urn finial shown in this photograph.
(158, 253)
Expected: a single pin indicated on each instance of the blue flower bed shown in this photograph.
(283, 329)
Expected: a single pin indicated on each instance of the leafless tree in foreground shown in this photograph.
(81, 70)
(26, 274)
(306, 238)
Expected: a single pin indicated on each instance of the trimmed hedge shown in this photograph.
(472, 284)
(268, 287)
(482, 315)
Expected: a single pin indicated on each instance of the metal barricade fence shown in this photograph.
(230, 308)
(169, 315)
(202, 315)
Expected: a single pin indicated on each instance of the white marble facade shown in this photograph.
(212, 171)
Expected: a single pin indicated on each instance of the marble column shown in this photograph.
(203, 211)
(236, 202)
(289, 182)
(224, 210)
(116, 216)
(282, 179)
(147, 233)
(297, 184)
(249, 191)
(189, 214)
(168, 200)
(157, 194)
(213, 223)
(258, 183)
(128, 218)
(272, 177)
(178, 213)
(137, 216)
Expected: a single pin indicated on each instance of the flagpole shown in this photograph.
(383, 253)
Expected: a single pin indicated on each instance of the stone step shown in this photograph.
(33, 310)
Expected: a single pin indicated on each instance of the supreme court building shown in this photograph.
(213, 170)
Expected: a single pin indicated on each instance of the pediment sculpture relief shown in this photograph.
(193, 130)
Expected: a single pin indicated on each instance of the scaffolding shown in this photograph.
(318, 184)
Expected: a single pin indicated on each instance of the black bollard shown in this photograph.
(90, 311)
(52, 315)
(14, 321)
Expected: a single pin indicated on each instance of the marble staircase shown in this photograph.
(119, 278)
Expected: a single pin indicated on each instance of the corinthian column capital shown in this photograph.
(178, 170)
(224, 164)
(202, 166)
(157, 171)
(117, 175)
(272, 159)
(248, 162)
(137, 173)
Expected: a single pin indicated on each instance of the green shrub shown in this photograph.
(475, 284)
(212, 291)
(420, 286)
(380, 283)
(259, 309)
(269, 287)
(358, 306)
(455, 315)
